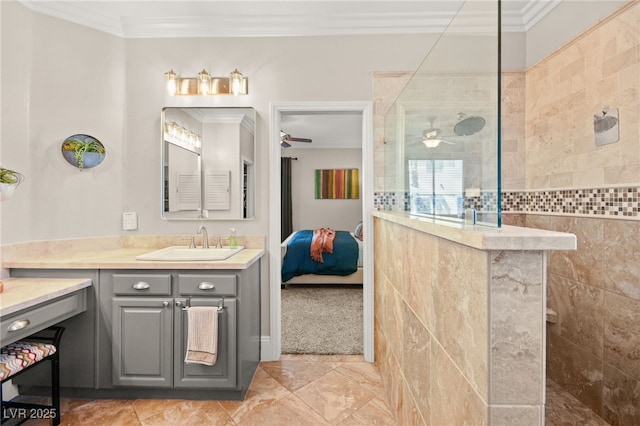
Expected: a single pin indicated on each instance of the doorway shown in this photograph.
(271, 348)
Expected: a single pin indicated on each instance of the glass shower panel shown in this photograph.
(442, 138)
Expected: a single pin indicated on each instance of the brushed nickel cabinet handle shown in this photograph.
(141, 285)
(205, 285)
(19, 325)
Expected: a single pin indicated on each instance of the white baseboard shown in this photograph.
(266, 349)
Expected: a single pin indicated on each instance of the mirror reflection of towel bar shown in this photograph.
(220, 305)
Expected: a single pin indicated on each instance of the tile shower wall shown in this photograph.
(593, 347)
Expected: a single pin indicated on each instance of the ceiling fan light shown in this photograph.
(431, 143)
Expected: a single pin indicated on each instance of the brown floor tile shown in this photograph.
(334, 396)
(294, 374)
(102, 412)
(287, 411)
(264, 391)
(187, 413)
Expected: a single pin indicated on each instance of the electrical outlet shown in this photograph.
(129, 221)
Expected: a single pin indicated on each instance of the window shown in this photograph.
(436, 187)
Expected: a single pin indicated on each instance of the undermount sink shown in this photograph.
(186, 253)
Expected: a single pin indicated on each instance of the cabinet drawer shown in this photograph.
(141, 284)
(206, 284)
(41, 316)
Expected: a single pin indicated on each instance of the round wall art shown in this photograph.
(83, 151)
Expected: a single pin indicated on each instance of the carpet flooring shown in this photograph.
(321, 320)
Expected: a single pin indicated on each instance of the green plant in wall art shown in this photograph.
(83, 151)
(9, 180)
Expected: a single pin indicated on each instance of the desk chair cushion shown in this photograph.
(18, 356)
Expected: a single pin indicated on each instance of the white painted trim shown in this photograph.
(271, 350)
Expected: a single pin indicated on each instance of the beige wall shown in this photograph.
(309, 213)
(59, 78)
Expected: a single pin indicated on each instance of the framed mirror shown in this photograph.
(208, 157)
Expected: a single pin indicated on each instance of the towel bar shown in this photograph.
(220, 305)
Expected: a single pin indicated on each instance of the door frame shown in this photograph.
(271, 346)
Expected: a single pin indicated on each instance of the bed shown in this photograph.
(343, 266)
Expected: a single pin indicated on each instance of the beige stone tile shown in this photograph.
(334, 396)
(562, 409)
(453, 399)
(586, 264)
(516, 324)
(364, 373)
(102, 412)
(621, 257)
(374, 413)
(416, 362)
(410, 414)
(421, 267)
(263, 391)
(460, 310)
(289, 411)
(622, 333)
(580, 311)
(576, 370)
(181, 412)
(621, 399)
(395, 322)
(393, 382)
(293, 374)
(515, 415)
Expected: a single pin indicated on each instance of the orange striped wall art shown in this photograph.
(337, 184)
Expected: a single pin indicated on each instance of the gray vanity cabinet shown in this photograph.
(142, 344)
(223, 373)
(149, 327)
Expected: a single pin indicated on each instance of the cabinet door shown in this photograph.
(142, 341)
(223, 373)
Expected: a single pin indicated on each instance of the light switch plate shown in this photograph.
(129, 221)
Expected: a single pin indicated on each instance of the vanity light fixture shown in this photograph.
(235, 81)
(206, 85)
(181, 136)
(171, 79)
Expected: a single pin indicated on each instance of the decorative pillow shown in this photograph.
(358, 231)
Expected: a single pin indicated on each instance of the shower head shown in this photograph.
(604, 123)
(467, 126)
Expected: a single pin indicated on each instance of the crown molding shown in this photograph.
(147, 19)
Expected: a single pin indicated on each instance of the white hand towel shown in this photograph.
(202, 335)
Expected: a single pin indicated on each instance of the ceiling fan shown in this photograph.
(431, 137)
(286, 138)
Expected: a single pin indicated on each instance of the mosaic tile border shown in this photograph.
(615, 202)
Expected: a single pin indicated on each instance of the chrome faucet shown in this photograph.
(205, 236)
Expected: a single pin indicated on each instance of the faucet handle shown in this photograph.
(192, 244)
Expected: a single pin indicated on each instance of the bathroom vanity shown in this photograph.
(131, 340)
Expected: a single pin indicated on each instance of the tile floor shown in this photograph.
(297, 390)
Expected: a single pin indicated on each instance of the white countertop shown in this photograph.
(23, 293)
(483, 237)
